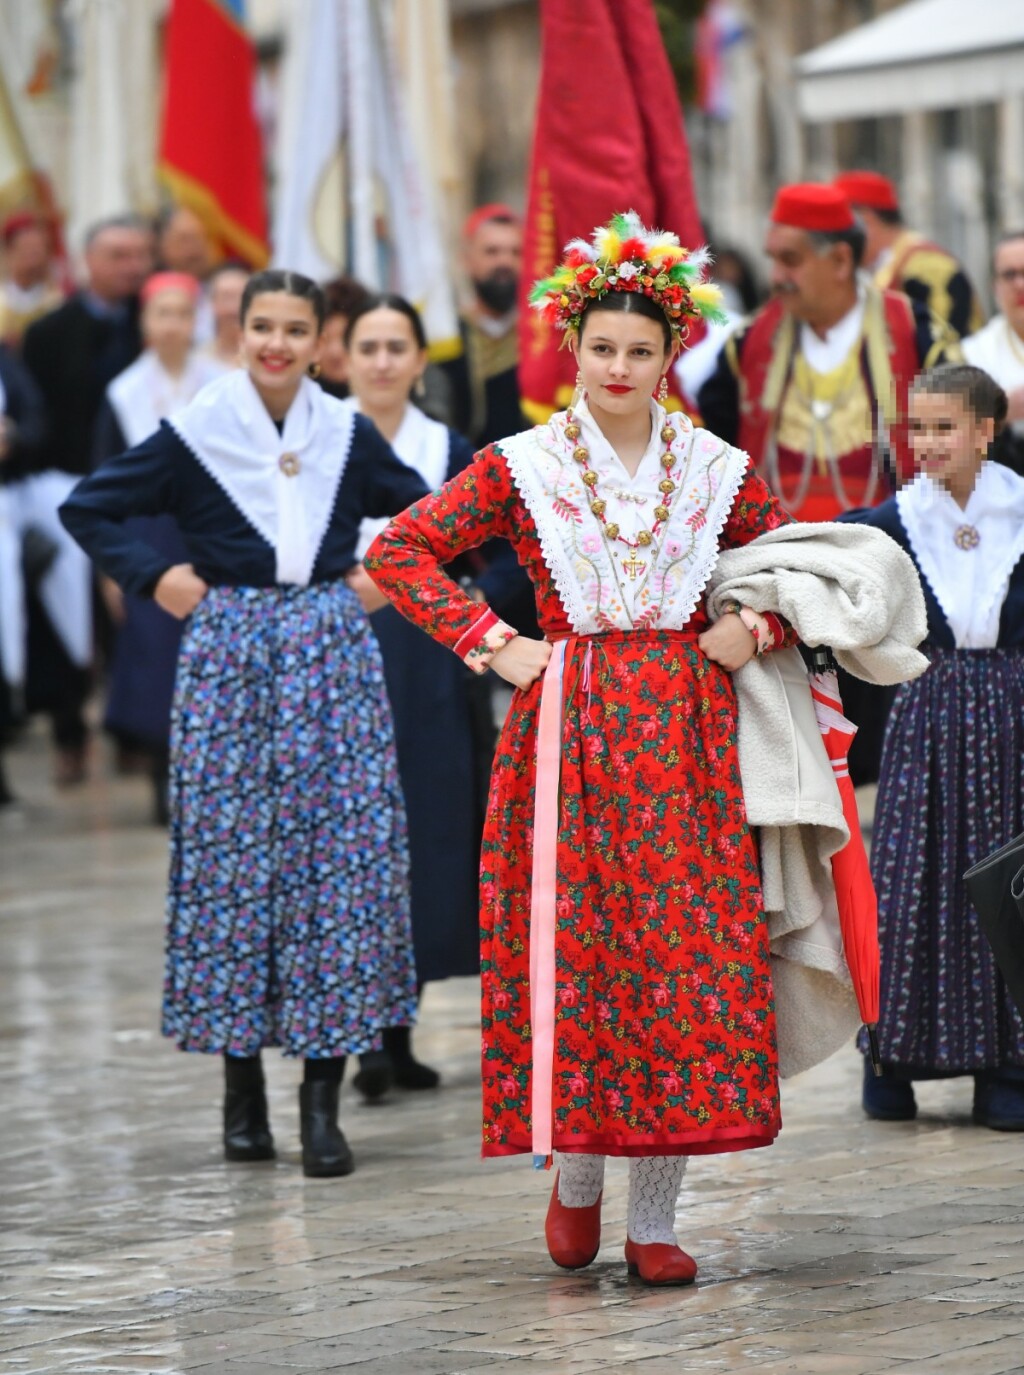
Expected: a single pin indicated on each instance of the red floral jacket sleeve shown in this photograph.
(405, 560)
(755, 511)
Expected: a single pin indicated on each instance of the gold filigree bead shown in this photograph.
(644, 538)
(612, 528)
(598, 507)
(572, 432)
(661, 512)
(667, 486)
(668, 461)
(667, 434)
(590, 479)
(580, 453)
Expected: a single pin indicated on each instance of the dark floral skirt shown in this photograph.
(288, 907)
(951, 792)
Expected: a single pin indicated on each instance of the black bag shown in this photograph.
(995, 886)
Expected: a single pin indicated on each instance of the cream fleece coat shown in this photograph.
(852, 588)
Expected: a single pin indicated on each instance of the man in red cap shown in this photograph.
(484, 377)
(814, 386)
(29, 289)
(900, 259)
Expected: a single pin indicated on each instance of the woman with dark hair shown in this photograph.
(627, 1006)
(343, 296)
(288, 910)
(443, 720)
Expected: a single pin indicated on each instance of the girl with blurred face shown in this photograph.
(950, 790)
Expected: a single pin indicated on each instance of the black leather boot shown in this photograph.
(246, 1124)
(408, 1072)
(325, 1152)
(374, 1076)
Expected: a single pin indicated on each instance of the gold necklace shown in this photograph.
(632, 566)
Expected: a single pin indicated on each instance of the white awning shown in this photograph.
(925, 55)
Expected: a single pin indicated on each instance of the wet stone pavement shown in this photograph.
(127, 1245)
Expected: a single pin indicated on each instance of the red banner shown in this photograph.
(609, 137)
(210, 147)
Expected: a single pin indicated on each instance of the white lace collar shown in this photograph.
(284, 484)
(969, 583)
(587, 567)
(826, 354)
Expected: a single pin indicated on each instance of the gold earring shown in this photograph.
(315, 370)
(662, 394)
(577, 395)
(419, 388)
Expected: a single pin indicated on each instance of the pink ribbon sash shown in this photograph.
(542, 905)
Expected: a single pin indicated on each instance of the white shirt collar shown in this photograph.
(826, 354)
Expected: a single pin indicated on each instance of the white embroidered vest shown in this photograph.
(586, 565)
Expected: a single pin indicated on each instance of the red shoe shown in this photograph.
(659, 1263)
(573, 1234)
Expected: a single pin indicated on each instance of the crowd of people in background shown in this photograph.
(815, 379)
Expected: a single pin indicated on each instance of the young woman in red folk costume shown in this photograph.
(627, 1003)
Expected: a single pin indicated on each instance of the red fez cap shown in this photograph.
(19, 220)
(868, 188)
(169, 281)
(496, 210)
(812, 206)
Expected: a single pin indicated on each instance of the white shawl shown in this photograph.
(145, 393)
(422, 444)
(284, 485)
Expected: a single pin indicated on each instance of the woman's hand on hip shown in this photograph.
(180, 590)
(366, 589)
(521, 661)
(728, 643)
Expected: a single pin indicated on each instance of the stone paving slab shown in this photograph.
(127, 1245)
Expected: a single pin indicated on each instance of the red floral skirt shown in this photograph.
(665, 1027)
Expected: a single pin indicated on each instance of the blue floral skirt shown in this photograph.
(951, 792)
(288, 906)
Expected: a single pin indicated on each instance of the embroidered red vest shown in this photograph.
(757, 353)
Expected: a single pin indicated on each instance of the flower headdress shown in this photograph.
(626, 256)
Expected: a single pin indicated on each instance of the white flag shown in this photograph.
(352, 195)
(309, 220)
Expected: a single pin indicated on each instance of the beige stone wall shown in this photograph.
(497, 69)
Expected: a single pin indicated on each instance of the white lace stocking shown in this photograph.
(580, 1179)
(654, 1182)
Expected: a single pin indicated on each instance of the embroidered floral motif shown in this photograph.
(497, 637)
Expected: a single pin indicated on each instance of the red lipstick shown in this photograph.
(616, 389)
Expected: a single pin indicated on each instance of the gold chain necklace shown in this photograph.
(632, 566)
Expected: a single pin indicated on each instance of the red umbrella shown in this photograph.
(855, 892)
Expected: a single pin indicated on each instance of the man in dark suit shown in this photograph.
(73, 354)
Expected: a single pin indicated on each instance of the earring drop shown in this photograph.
(662, 393)
(577, 395)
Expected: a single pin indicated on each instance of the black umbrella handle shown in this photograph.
(876, 1057)
(823, 660)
